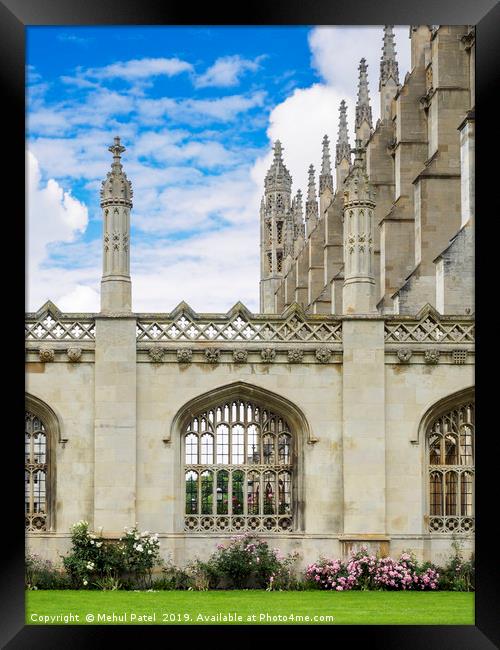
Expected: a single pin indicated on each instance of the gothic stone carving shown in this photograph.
(74, 354)
(240, 356)
(268, 355)
(323, 355)
(46, 354)
(212, 355)
(404, 355)
(156, 354)
(184, 356)
(295, 356)
(459, 356)
(431, 356)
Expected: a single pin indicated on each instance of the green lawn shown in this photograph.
(254, 607)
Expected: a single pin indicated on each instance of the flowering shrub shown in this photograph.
(458, 574)
(92, 558)
(248, 561)
(363, 571)
(42, 574)
(140, 552)
(330, 574)
(96, 562)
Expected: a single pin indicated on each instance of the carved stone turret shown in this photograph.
(116, 203)
(359, 274)
(275, 207)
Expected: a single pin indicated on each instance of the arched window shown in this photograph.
(238, 469)
(35, 473)
(450, 462)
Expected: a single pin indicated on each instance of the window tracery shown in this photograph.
(238, 469)
(450, 455)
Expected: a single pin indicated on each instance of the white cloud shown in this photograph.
(81, 298)
(199, 111)
(140, 69)
(337, 51)
(226, 71)
(53, 216)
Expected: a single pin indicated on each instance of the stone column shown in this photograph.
(364, 433)
(115, 363)
(115, 424)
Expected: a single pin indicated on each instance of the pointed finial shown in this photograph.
(343, 149)
(116, 185)
(278, 150)
(388, 62)
(278, 176)
(311, 185)
(116, 149)
(326, 178)
(363, 109)
(298, 215)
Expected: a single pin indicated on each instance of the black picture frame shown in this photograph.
(15, 15)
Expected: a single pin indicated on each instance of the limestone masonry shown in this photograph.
(340, 415)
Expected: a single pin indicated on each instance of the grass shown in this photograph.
(207, 607)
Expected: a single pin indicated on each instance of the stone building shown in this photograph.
(342, 414)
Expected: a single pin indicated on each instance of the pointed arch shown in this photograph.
(41, 418)
(241, 390)
(264, 489)
(440, 407)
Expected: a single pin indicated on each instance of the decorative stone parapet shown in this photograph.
(184, 356)
(240, 356)
(46, 354)
(212, 355)
(431, 356)
(156, 354)
(295, 356)
(74, 354)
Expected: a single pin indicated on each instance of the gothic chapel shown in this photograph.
(341, 414)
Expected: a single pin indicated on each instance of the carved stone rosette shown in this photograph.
(268, 355)
(431, 356)
(295, 356)
(404, 355)
(212, 355)
(323, 355)
(184, 356)
(156, 354)
(240, 356)
(74, 354)
(46, 354)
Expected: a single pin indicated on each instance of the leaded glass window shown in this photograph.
(450, 453)
(238, 469)
(35, 473)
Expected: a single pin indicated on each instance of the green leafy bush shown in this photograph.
(458, 574)
(248, 562)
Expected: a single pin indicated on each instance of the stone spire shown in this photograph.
(388, 63)
(275, 228)
(116, 203)
(278, 175)
(389, 73)
(364, 123)
(359, 235)
(326, 178)
(343, 148)
(311, 202)
(298, 216)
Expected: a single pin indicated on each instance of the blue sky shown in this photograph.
(197, 109)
